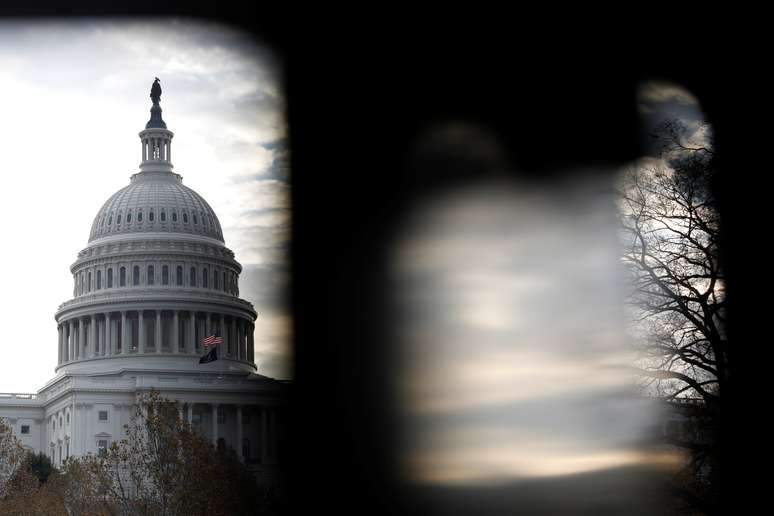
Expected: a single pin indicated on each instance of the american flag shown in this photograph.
(212, 340)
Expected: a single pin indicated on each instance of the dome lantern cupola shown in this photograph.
(156, 138)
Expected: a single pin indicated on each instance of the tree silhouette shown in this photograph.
(671, 232)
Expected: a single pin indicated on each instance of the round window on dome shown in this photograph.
(174, 216)
(150, 216)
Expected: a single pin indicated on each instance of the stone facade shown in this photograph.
(154, 279)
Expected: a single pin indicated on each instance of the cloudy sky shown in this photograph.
(513, 335)
(73, 98)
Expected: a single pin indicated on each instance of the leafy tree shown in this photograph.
(11, 456)
(164, 467)
(40, 465)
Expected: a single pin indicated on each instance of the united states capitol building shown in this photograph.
(154, 279)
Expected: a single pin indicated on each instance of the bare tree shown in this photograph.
(670, 229)
(671, 234)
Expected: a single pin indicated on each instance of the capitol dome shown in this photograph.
(156, 202)
(155, 278)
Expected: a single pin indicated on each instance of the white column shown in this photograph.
(81, 338)
(59, 344)
(215, 424)
(158, 331)
(191, 345)
(207, 328)
(222, 331)
(124, 333)
(238, 444)
(175, 331)
(251, 342)
(169, 149)
(108, 335)
(141, 331)
(105, 333)
(190, 412)
(70, 340)
(93, 336)
(233, 343)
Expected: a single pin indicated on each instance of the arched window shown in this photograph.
(179, 274)
(128, 217)
(196, 221)
(88, 283)
(185, 218)
(118, 220)
(215, 280)
(150, 215)
(174, 216)
(150, 275)
(122, 277)
(110, 278)
(110, 219)
(139, 216)
(165, 275)
(99, 279)
(163, 216)
(135, 275)
(205, 278)
(192, 279)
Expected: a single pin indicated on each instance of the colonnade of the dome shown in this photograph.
(114, 333)
(155, 273)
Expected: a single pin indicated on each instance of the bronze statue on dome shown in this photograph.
(155, 93)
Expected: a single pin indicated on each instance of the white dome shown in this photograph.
(156, 202)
